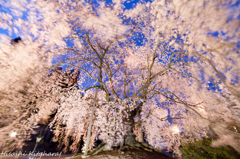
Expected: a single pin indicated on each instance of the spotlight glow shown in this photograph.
(175, 130)
(13, 134)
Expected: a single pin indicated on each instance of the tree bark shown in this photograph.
(129, 139)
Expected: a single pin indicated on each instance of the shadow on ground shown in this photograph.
(130, 153)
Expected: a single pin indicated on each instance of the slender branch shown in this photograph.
(186, 75)
(182, 102)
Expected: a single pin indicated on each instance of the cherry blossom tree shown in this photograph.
(30, 89)
(21, 73)
(154, 65)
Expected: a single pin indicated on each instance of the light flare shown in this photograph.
(13, 134)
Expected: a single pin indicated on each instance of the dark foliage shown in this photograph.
(202, 149)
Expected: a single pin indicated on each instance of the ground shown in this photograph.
(128, 153)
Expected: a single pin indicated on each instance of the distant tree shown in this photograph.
(172, 66)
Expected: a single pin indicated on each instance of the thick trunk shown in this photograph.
(129, 139)
(114, 141)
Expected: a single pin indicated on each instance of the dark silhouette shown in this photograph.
(65, 79)
(16, 40)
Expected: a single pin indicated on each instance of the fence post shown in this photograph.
(90, 126)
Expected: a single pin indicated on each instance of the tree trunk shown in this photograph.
(130, 138)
